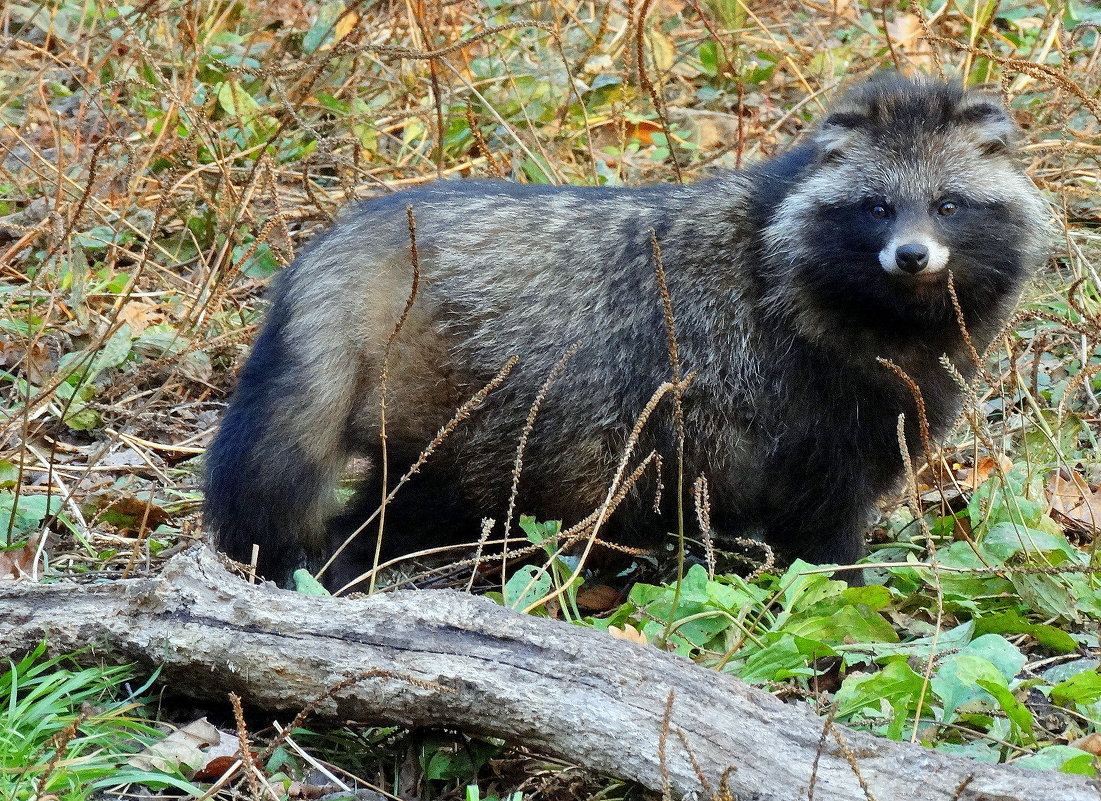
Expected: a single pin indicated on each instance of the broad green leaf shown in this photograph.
(955, 683)
(896, 682)
(114, 351)
(323, 27)
(235, 101)
(709, 58)
(952, 640)
(29, 509)
(1004, 540)
(995, 684)
(537, 532)
(518, 595)
(846, 625)
(1083, 688)
(1011, 622)
(775, 662)
(9, 473)
(1047, 594)
(1059, 757)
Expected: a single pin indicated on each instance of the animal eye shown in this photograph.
(879, 211)
(947, 208)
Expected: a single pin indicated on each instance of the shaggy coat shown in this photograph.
(788, 282)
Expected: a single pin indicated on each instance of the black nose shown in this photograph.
(912, 258)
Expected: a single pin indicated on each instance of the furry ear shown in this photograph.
(837, 132)
(987, 120)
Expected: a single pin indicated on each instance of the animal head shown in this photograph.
(910, 180)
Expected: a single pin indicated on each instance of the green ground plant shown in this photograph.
(160, 161)
(67, 732)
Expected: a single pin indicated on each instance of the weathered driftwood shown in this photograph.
(579, 693)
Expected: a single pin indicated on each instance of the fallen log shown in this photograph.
(615, 707)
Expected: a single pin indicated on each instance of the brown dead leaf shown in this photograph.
(907, 37)
(216, 767)
(1091, 744)
(904, 31)
(670, 8)
(661, 47)
(643, 131)
(1073, 499)
(972, 477)
(710, 130)
(599, 598)
(193, 748)
(628, 633)
(18, 563)
(139, 315)
(308, 791)
(34, 357)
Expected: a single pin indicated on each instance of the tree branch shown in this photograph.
(565, 690)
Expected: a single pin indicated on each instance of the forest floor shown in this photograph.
(160, 162)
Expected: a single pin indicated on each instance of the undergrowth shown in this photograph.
(67, 731)
(160, 161)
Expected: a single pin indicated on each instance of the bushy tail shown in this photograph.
(271, 470)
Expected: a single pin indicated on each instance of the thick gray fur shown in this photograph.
(782, 301)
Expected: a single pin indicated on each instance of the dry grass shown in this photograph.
(158, 164)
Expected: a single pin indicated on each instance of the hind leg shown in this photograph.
(271, 469)
(427, 512)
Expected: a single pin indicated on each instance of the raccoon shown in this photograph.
(789, 281)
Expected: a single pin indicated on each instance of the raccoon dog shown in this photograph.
(788, 281)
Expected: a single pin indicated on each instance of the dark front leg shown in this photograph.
(829, 536)
(838, 545)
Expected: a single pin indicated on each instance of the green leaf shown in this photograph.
(703, 628)
(151, 779)
(1001, 499)
(1011, 622)
(518, 595)
(803, 590)
(1047, 594)
(775, 662)
(29, 510)
(709, 58)
(160, 340)
(897, 683)
(443, 765)
(874, 596)
(9, 473)
(114, 351)
(847, 624)
(952, 640)
(733, 594)
(537, 532)
(1059, 757)
(306, 584)
(996, 685)
(323, 26)
(536, 170)
(235, 101)
(1083, 688)
(80, 418)
(987, 657)
(1005, 540)
(77, 416)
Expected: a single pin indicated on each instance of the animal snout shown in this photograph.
(912, 258)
